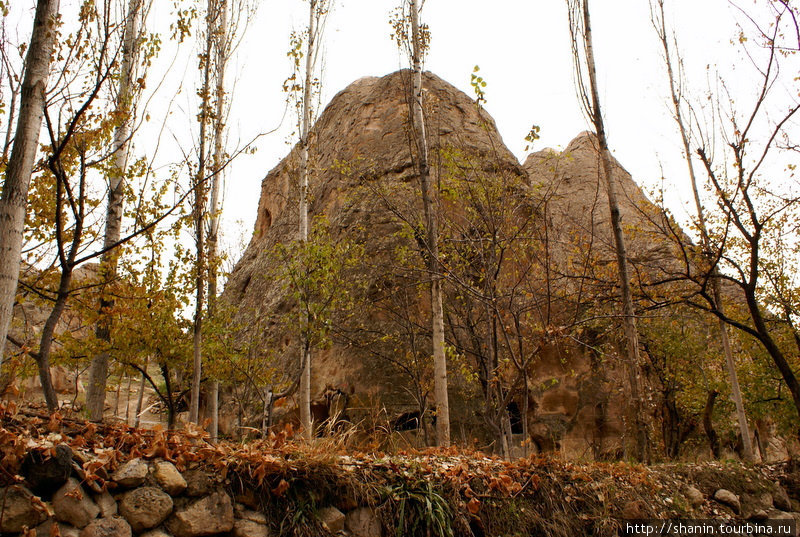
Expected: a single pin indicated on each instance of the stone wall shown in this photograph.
(57, 492)
(144, 498)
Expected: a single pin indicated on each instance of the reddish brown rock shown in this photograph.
(19, 511)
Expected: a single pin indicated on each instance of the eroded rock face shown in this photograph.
(363, 177)
(361, 147)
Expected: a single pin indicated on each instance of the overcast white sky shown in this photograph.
(521, 46)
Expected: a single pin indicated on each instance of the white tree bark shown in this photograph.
(199, 210)
(98, 372)
(305, 125)
(23, 153)
(140, 399)
(730, 364)
(221, 61)
(441, 401)
(592, 104)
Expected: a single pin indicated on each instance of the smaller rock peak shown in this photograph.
(586, 140)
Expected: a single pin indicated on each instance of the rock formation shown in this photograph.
(528, 258)
(363, 182)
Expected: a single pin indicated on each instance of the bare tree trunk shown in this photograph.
(46, 341)
(20, 165)
(305, 125)
(98, 372)
(441, 402)
(708, 423)
(633, 363)
(140, 400)
(730, 364)
(116, 399)
(128, 401)
(199, 225)
(221, 49)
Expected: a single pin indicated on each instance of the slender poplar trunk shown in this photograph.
(116, 399)
(140, 400)
(730, 364)
(199, 228)
(633, 363)
(23, 153)
(128, 401)
(305, 125)
(441, 402)
(98, 372)
(221, 49)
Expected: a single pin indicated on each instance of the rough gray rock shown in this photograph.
(248, 528)
(363, 522)
(131, 474)
(73, 505)
(145, 507)
(728, 498)
(694, 496)
(107, 527)
(331, 518)
(206, 516)
(169, 478)
(242, 513)
(19, 509)
(198, 482)
(107, 504)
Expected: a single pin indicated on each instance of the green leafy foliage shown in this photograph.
(478, 84)
(318, 277)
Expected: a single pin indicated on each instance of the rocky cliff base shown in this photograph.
(79, 479)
